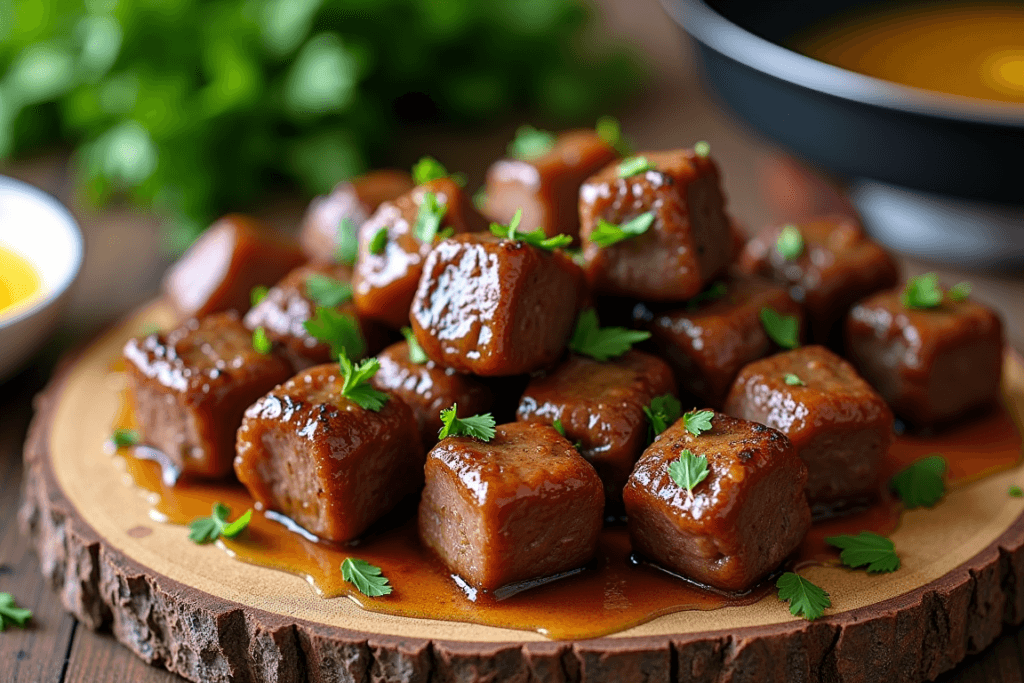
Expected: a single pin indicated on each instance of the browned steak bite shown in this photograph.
(219, 270)
(287, 306)
(929, 365)
(428, 389)
(547, 187)
(838, 424)
(493, 306)
(523, 506)
(601, 406)
(351, 201)
(708, 341)
(739, 523)
(391, 256)
(190, 386)
(688, 244)
(320, 459)
(828, 264)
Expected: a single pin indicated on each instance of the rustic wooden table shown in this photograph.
(124, 261)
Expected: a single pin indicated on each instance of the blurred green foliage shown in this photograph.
(193, 107)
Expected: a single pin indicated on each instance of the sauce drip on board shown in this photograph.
(20, 284)
(613, 594)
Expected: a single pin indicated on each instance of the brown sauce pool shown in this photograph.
(614, 593)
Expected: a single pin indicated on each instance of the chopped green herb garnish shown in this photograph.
(367, 578)
(922, 483)
(348, 242)
(688, 471)
(426, 169)
(1016, 492)
(11, 614)
(479, 426)
(610, 130)
(959, 292)
(607, 234)
(702, 149)
(356, 386)
(416, 353)
(480, 199)
(530, 143)
(784, 330)
(338, 330)
(866, 548)
(790, 243)
(922, 292)
(794, 381)
(635, 166)
(805, 599)
(209, 529)
(536, 238)
(379, 241)
(663, 411)
(261, 342)
(557, 424)
(327, 291)
(698, 421)
(126, 437)
(713, 293)
(602, 343)
(258, 294)
(429, 217)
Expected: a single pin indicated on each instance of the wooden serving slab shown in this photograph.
(200, 613)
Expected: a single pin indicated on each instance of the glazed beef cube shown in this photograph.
(739, 523)
(523, 506)
(707, 343)
(288, 305)
(190, 386)
(601, 406)
(547, 187)
(219, 270)
(493, 306)
(837, 266)
(428, 389)
(384, 282)
(929, 365)
(352, 201)
(333, 467)
(688, 244)
(840, 427)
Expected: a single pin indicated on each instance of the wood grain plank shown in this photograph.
(98, 658)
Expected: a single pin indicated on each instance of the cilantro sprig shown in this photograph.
(959, 292)
(368, 578)
(378, 242)
(922, 483)
(125, 437)
(602, 343)
(793, 380)
(790, 243)
(258, 294)
(530, 143)
(922, 292)
(805, 599)
(607, 234)
(426, 169)
(327, 291)
(209, 529)
(784, 330)
(478, 426)
(688, 470)
(338, 330)
(428, 220)
(610, 130)
(634, 166)
(11, 614)
(416, 353)
(868, 549)
(261, 343)
(536, 238)
(347, 250)
(663, 411)
(698, 421)
(356, 385)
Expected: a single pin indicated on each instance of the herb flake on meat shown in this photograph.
(340, 331)
(356, 386)
(261, 342)
(602, 343)
(635, 166)
(348, 242)
(537, 238)
(607, 234)
(663, 411)
(416, 353)
(327, 291)
(784, 330)
(428, 220)
(478, 426)
(530, 143)
(688, 471)
(698, 421)
(790, 243)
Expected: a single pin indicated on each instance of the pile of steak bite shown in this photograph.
(499, 323)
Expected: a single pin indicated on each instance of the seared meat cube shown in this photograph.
(547, 187)
(391, 256)
(493, 306)
(929, 365)
(838, 424)
(828, 264)
(428, 389)
(219, 270)
(287, 306)
(601, 405)
(688, 244)
(190, 386)
(708, 342)
(525, 505)
(735, 526)
(351, 201)
(306, 451)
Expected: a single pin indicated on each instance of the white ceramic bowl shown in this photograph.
(38, 228)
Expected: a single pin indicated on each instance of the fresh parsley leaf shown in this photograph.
(635, 166)
(530, 143)
(261, 342)
(922, 483)
(713, 293)
(367, 578)
(702, 149)
(11, 614)
(379, 241)
(340, 331)
(347, 250)
(663, 411)
(480, 199)
(126, 437)
(866, 548)
(356, 386)
(610, 130)
(327, 291)
(784, 330)
(698, 421)
(428, 219)
(1016, 492)
(258, 294)
(602, 343)
(209, 529)
(536, 238)
(805, 599)
(790, 243)
(960, 291)
(479, 426)
(688, 471)
(607, 234)
(922, 292)
(560, 428)
(416, 353)
(794, 381)
(426, 169)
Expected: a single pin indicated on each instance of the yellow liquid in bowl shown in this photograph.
(960, 48)
(20, 284)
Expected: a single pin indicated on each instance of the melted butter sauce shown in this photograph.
(612, 594)
(20, 284)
